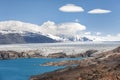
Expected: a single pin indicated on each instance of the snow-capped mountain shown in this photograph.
(21, 32)
(75, 38)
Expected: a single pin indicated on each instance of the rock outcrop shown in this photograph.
(13, 55)
(87, 53)
(37, 54)
(105, 66)
(57, 55)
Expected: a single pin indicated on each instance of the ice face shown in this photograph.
(68, 48)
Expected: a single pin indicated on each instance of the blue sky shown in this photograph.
(40, 11)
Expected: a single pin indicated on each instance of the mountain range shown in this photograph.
(20, 32)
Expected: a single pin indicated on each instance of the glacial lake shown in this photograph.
(22, 69)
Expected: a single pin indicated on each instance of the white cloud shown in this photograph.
(74, 28)
(70, 28)
(76, 20)
(71, 8)
(104, 38)
(99, 11)
(49, 27)
(112, 38)
(98, 33)
(87, 33)
(108, 35)
(118, 34)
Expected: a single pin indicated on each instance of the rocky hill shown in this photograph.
(13, 38)
(105, 66)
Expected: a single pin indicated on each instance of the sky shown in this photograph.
(100, 17)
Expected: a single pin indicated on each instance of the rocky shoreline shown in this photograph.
(4, 55)
(36, 54)
(96, 66)
(103, 66)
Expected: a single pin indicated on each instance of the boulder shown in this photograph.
(57, 55)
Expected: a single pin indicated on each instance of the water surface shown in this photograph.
(22, 69)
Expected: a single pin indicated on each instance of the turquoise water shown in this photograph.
(22, 69)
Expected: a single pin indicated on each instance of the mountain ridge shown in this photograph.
(30, 33)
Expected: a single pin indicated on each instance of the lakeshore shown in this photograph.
(105, 66)
(43, 58)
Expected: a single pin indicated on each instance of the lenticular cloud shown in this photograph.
(98, 11)
(71, 8)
